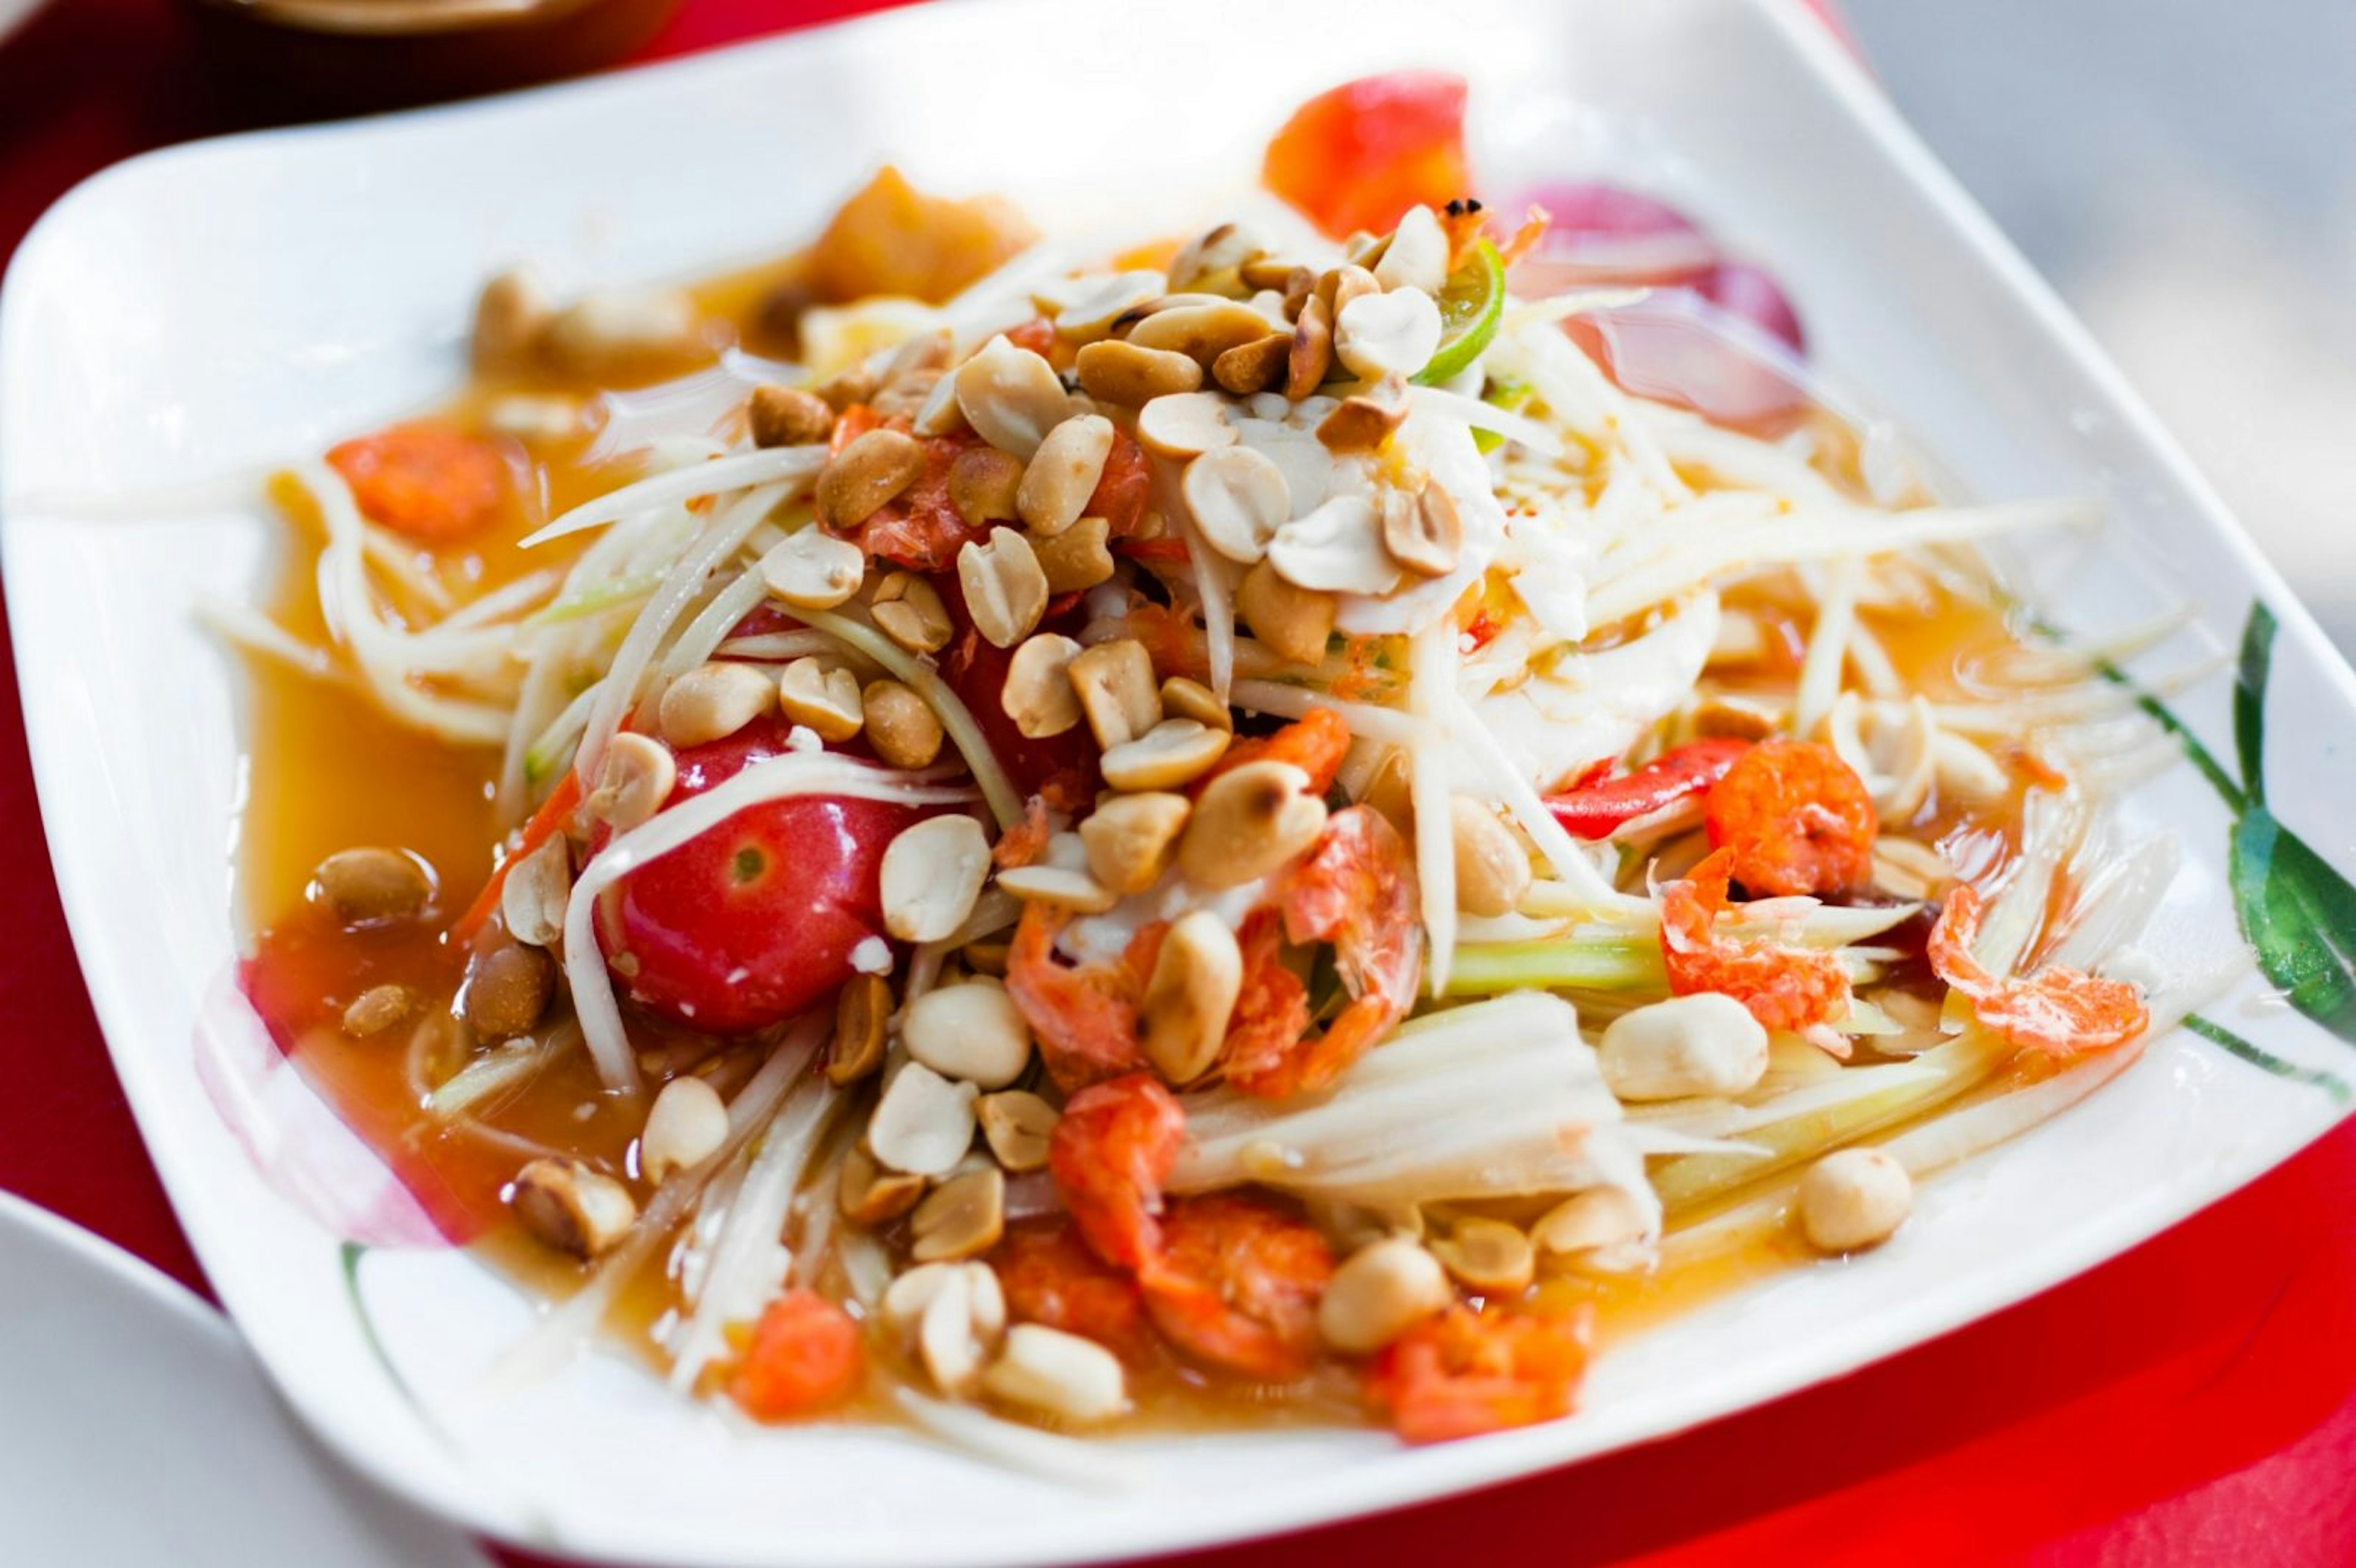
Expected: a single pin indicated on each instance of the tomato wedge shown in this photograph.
(425, 480)
(804, 1357)
(1361, 155)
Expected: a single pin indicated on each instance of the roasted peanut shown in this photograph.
(813, 570)
(1294, 623)
(1492, 870)
(1016, 1124)
(1131, 839)
(1078, 558)
(826, 697)
(510, 315)
(901, 725)
(1488, 1255)
(1310, 357)
(1184, 424)
(1380, 1292)
(1063, 474)
(1707, 1043)
(636, 781)
(378, 1008)
(370, 886)
(962, 1218)
(1185, 698)
(867, 473)
(1122, 373)
(1038, 694)
(1248, 821)
(924, 1124)
(969, 1030)
(932, 873)
(787, 416)
(1115, 684)
(712, 702)
(571, 1207)
(909, 611)
(1012, 397)
(685, 1126)
(1005, 590)
(1423, 533)
(869, 1195)
(1197, 976)
(1239, 498)
(1256, 366)
(983, 483)
(862, 1009)
(1854, 1198)
(1173, 754)
(507, 989)
(1057, 1374)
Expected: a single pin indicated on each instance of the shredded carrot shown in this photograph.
(546, 822)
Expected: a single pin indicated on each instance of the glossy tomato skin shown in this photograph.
(1061, 769)
(754, 921)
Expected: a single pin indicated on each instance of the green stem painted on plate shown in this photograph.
(2266, 1061)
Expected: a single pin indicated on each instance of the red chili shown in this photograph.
(1594, 810)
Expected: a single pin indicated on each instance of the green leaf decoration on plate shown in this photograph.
(2299, 914)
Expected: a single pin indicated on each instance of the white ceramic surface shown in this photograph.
(210, 310)
(118, 1379)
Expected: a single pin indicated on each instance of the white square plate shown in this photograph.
(211, 310)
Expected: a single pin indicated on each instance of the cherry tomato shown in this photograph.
(754, 921)
(804, 1357)
(1060, 768)
(1358, 156)
(425, 480)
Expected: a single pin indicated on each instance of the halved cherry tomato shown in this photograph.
(804, 1357)
(1237, 1283)
(754, 921)
(1796, 819)
(1062, 769)
(1361, 155)
(2058, 1010)
(1110, 1154)
(1050, 1276)
(923, 530)
(1783, 987)
(1597, 809)
(425, 480)
(1464, 1373)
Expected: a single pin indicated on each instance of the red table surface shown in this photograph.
(2194, 1401)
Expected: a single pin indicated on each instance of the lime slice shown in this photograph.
(1472, 302)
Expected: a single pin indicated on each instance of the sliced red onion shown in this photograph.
(1678, 346)
(1606, 232)
(1752, 294)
